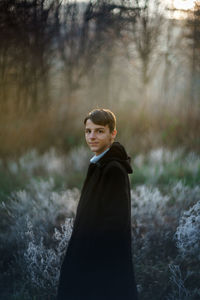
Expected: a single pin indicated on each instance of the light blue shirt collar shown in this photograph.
(95, 158)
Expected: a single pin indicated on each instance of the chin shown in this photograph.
(94, 149)
(97, 151)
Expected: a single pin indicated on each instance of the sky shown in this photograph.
(176, 4)
(183, 4)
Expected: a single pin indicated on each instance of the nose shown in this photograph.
(92, 135)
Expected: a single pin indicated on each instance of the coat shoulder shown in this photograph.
(114, 165)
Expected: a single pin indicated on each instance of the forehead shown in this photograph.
(90, 125)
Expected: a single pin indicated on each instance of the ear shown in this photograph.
(114, 133)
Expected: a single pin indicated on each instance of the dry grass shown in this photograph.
(140, 129)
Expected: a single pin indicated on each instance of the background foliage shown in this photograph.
(37, 217)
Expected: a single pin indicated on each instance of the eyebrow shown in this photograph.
(95, 128)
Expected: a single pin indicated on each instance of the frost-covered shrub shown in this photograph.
(179, 282)
(188, 232)
(31, 246)
(41, 204)
(180, 191)
(182, 197)
(51, 162)
(155, 217)
(192, 161)
(163, 155)
(32, 243)
(68, 170)
(78, 158)
(151, 233)
(163, 165)
(40, 264)
(147, 200)
(183, 194)
(159, 156)
(31, 161)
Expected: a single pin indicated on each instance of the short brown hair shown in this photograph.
(102, 116)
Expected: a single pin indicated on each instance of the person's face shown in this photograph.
(98, 137)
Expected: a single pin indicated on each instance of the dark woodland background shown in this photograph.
(60, 59)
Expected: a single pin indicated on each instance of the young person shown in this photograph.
(98, 262)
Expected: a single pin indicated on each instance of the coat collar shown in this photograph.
(116, 152)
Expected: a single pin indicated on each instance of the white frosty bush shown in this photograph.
(78, 158)
(155, 217)
(31, 217)
(51, 162)
(163, 155)
(31, 238)
(44, 207)
(146, 202)
(161, 161)
(188, 232)
(192, 161)
(178, 280)
(158, 156)
(41, 265)
(147, 210)
(185, 194)
(41, 201)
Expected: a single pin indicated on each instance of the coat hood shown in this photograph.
(116, 152)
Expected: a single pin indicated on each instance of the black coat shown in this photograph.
(98, 262)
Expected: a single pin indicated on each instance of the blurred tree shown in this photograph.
(86, 33)
(26, 47)
(146, 32)
(110, 19)
(193, 23)
(191, 39)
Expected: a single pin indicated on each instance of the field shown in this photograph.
(39, 196)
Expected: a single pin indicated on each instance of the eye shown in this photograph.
(87, 131)
(100, 131)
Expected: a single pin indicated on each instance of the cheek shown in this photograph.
(104, 137)
(101, 137)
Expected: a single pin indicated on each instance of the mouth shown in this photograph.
(93, 144)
